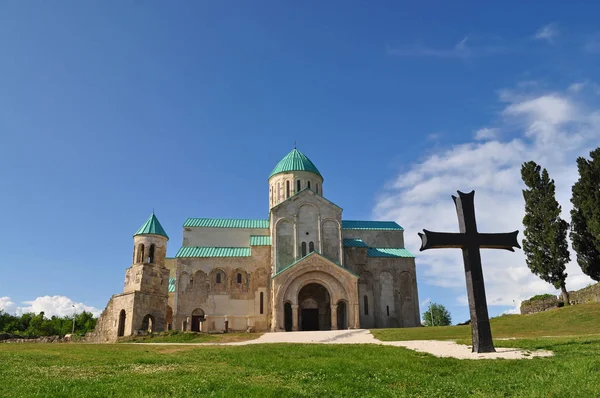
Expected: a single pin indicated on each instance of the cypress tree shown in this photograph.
(545, 242)
(585, 215)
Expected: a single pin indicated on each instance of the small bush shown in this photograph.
(541, 297)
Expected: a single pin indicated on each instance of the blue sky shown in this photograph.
(111, 109)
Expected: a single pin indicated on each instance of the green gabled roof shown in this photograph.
(152, 226)
(389, 252)
(258, 240)
(295, 161)
(355, 243)
(226, 223)
(374, 225)
(203, 251)
(171, 285)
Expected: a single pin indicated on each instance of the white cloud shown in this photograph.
(592, 45)
(577, 87)
(50, 305)
(460, 50)
(554, 129)
(486, 134)
(548, 32)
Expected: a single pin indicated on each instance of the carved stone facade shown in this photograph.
(303, 268)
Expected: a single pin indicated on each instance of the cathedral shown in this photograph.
(302, 268)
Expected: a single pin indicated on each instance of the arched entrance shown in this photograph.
(147, 323)
(342, 315)
(287, 316)
(197, 319)
(169, 319)
(121, 329)
(314, 311)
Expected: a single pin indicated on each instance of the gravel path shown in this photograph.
(363, 336)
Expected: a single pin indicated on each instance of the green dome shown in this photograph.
(295, 161)
(151, 227)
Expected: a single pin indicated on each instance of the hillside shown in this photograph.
(576, 320)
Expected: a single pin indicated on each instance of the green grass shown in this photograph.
(192, 337)
(583, 319)
(282, 370)
(285, 370)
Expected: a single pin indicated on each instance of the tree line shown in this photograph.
(37, 325)
(545, 243)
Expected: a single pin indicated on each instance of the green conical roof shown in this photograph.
(152, 226)
(295, 161)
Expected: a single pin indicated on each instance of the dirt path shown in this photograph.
(362, 336)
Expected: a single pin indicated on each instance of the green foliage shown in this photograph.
(545, 243)
(36, 325)
(540, 297)
(585, 215)
(441, 316)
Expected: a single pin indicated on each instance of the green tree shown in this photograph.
(436, 315)
(545, 243)
(585, 215)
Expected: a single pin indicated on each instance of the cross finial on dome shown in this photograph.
(294, 144)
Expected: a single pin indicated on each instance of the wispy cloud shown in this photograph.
(553, 129)
(592, 44)
(461, 50)
(486, 134)
(548, 33)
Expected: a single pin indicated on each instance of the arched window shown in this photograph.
(278, 192)
(298, 186)
(287, 189)
(303, 249)
(218, 277)
(151, 254)
(140, 256)
(271, 192)
(311, 247)
(388, 310)
(366, 305)
(308, 184)
(317, 187)
(262, 302)
(239, 278)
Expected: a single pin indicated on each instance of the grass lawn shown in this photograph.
(279, 370)
(191, 337)
(285, 370)
(582, 319)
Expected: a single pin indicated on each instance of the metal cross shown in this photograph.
(470, 241)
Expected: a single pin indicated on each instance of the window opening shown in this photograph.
(303, 249)
(218, 277)
(239, 278)
(262, 302)
(366, 299)
(311, 247)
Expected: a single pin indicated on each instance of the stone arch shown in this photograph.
(342, 314)
(330, 229)
(183, 281)
(151, 253)
(218, 280)
(284, 238)
(198, 316)
(314, 307)
(169, 317)
(148, 323)
(121, 326)
(240, 280)
(140, 253)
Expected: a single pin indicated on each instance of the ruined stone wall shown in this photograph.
(390, 286)
(222, 298)
(590, 294)
(538, 305)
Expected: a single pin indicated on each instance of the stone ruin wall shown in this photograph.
(590, 294)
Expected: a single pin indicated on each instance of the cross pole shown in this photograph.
(470, 241)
